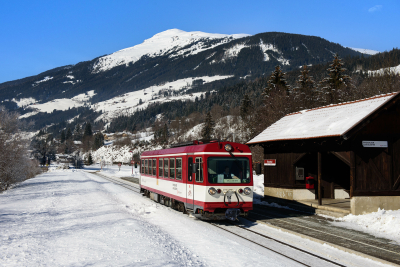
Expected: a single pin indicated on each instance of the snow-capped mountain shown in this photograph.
(365, 51)
(173, 64)
(168, 42)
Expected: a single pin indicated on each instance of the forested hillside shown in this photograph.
(271, 97)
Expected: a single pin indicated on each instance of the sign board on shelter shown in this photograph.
(269, 162)
(375, 143)
(132, 162)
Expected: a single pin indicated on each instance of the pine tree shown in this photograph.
(165, 134)
(336, 85)
(98, 141)
(208, 129)
(277, 82)
(90, 159)
(245, 106)
(78, 133)
(88, 130)
(248, 117)
(68, 136)
(62, 136)
(305, 92)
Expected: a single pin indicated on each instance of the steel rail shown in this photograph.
(133, 188)
(316, 230)
(136, 190)
(280, 242)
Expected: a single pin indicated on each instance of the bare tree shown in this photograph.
(15, 166)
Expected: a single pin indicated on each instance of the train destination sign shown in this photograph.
(375, 143)
(269, 162)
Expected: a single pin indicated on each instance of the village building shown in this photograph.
(343, 151)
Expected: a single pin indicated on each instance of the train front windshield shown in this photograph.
(228, 170)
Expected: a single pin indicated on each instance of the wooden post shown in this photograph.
(352, 172)
(319, 179)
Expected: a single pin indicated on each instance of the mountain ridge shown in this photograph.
(197, 54)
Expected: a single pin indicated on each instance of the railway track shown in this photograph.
(269, 243)
(127, 185)
(282, 248)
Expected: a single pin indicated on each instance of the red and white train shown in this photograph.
(205, 179)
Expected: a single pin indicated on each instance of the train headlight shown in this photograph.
(247, 191)
(228, 147)
(212, 191)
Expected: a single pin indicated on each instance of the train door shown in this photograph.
(190, 185)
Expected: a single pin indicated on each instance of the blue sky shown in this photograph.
(40, 35)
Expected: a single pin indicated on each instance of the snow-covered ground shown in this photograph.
(70, 217)
(129, 103)
(56, 104)
(115, 170)
(391, 70)
(383, 223)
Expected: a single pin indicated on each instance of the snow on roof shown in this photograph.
(332, 120)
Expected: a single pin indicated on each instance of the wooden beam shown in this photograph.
(299, 158)
(341, 157)
(352, 173)
(376, 171)
(319, 178)
(397, 183)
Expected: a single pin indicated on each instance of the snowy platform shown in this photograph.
(338, 207)
(326, 230)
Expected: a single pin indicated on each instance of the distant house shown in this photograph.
(64, 158)
(109, 137)
(352, 150)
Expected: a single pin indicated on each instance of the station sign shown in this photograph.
(269, 162)
(375, 143)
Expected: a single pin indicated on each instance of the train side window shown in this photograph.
(150, 166)
(154, 167)
(199, 171)
(146, 166)
(179, 169)
(172, 168)
(166, 168)
(142, 166)
(160, 167)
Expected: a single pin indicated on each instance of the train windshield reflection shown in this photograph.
(228, 170)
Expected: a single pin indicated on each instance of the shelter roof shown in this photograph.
(326, 121)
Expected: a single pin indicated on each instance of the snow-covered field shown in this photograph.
(71, 217)
(129, 103)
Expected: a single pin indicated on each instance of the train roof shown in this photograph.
(209, 147)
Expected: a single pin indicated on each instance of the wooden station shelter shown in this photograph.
(352, 150)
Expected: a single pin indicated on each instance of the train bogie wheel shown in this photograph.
(181, 207)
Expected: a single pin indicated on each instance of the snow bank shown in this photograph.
(259, 193)
(114, 153)
(383, 223)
